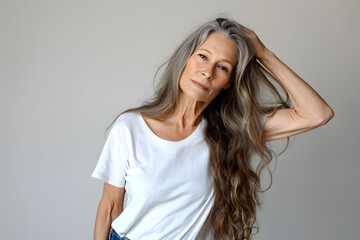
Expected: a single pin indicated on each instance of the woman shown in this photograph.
(184, 158)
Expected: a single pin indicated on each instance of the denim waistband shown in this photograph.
(114, 236)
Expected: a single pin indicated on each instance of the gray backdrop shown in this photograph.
(67, 68)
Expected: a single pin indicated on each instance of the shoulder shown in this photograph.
(125, 121)
(126, 117)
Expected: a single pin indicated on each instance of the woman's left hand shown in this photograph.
(260, 48)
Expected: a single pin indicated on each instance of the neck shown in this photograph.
(188, 112)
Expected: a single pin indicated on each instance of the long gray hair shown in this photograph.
(233, 132)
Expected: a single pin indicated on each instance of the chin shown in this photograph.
(194, 95)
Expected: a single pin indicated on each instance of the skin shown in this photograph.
(210, 65)
(110, 207)
(309, 109)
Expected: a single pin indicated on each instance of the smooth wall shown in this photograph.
(67, 68)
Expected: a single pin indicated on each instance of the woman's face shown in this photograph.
(209, 68)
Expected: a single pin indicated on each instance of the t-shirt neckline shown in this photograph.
(193, 136)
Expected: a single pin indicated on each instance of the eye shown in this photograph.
(223, 68)
(202, 56)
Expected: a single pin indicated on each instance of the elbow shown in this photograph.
(325, 117)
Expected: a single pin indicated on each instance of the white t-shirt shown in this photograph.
(168, 183)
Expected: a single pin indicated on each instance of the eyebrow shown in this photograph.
(225, 60)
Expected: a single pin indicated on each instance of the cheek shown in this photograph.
(189, 70)
(221, 83)
(192, 65)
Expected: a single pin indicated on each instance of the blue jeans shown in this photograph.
(114, 236)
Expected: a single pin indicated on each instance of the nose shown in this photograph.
(207, 72)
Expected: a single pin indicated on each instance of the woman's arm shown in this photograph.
(309, 109)
(110, 207)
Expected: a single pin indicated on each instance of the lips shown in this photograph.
(199, 85)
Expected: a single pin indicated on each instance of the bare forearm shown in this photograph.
(305, 100)
(104, 218)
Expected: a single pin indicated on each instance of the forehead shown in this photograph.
(220, 46)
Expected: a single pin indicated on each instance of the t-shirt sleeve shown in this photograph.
(113, 164)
